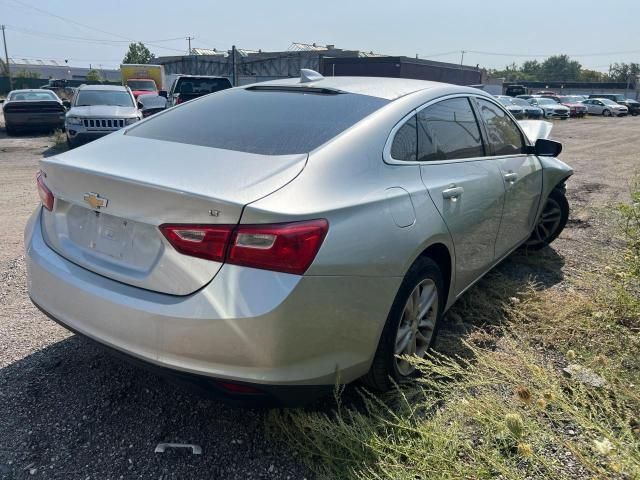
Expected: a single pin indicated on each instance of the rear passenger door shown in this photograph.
(521, 174)
(465, 186)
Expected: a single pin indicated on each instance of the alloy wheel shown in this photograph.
(548, 222)
(417, 324)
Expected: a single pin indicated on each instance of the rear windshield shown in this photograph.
(264, 122)
(144, 85)
(201, 86)
(32, 96)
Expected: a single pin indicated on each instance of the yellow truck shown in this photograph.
(142, 79)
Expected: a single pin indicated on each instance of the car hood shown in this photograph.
(573, 104)
(103, 111)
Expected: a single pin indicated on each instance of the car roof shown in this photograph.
(119, 88)
(382, 87)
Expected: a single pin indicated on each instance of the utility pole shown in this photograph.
(6, 57)
(233, 65)
(462, 52)
(189, 40)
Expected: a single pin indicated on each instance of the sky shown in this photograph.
(493, 33)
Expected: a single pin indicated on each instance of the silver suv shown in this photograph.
(97, 110)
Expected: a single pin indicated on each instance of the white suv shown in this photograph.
(97, 110)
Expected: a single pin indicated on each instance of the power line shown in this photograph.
(599, 54)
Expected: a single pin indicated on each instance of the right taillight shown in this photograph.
(46, 196)
(285, 247)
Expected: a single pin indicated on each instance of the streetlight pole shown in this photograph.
(6, 57)
(189, 38)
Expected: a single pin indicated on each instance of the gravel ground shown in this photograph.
(68, 410)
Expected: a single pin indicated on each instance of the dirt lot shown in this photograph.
(68, 410)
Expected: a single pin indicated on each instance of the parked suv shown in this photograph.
(97, 110)
(632, 105)
(188, 87)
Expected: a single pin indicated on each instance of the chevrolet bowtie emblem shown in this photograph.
(95, 200)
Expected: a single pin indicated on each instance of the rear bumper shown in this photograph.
(33, 120)
(249, 326)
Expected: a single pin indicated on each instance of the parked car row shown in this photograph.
(97, 110)
(565, 106)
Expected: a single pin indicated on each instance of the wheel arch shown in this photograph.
(440, 254)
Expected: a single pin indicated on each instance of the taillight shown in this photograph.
(288, 247)
(46, 197)
(203, 241)
(284, 247)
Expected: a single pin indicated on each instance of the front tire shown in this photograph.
(606, 113)
(552, 221)
(411, 326)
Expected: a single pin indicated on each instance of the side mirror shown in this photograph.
(66, 104)
(546, 148)
(162, 93)
(140, 106)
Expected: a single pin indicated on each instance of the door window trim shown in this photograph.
(386, 153)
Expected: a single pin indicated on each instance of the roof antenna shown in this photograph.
(307, 75)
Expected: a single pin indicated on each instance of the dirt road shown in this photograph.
(68, 410)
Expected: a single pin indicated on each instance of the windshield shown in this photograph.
(521, 102)
(201, 86)
(145, 85)
(546, 101)
(113, 98)
(32, 96)
(505, 101)
(265, 122)
(606, 101)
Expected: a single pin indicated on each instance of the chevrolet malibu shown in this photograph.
(268, 241)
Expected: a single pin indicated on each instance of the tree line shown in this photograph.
(563, 69)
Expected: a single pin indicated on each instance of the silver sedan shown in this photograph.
(269, 240)
(605, 107)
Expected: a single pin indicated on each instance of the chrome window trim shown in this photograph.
(386, 153)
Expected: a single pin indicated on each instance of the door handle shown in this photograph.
(452, 193)
(511, 177)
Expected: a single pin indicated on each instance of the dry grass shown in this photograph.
(505, 409)
(59, 140)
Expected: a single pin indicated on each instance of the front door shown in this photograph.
(521, 174)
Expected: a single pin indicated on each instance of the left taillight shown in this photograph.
(284, 247)
(46, 196)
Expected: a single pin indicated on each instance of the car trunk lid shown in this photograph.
(112, 195)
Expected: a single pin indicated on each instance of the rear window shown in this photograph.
(145, 85)
(201, 86)
(32, 96)
(271, 122)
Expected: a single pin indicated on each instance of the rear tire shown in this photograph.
(421, 290)
(552, 221)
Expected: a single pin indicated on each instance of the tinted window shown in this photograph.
(448, 130)
(201, 86)
(405, 143)
(503, 134)
(32, 96)
(274, 122)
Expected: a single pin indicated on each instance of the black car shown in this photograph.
(151, 103)
(188, 87)
(32, 109)
(632, 105)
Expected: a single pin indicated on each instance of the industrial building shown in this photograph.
(46, 69)
(248, 66)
